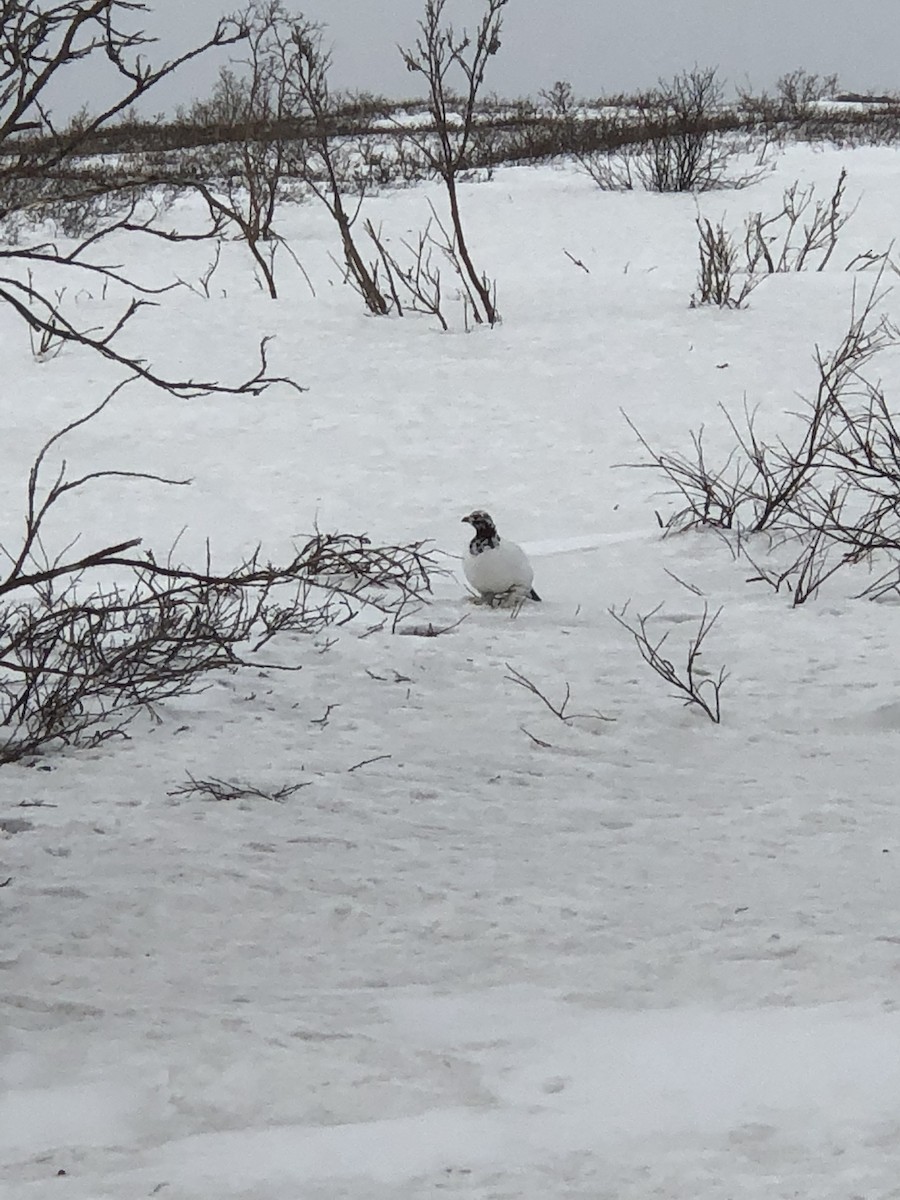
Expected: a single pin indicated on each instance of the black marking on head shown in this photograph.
(486, 536)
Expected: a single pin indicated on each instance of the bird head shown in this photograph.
(481, 522)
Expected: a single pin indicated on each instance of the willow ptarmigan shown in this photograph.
(496, 568)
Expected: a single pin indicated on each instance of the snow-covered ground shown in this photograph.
(512, 958)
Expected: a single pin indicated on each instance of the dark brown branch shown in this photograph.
(694, 687)
(366, 762)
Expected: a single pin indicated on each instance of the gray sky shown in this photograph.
(598, 45)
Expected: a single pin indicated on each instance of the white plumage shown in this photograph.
(496, 568)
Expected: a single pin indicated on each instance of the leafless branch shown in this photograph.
(771, 243)
(537, 741)
(367, 761)
(41, 167)
(222, 789)
(439, 55)
(719, 280)
(691, 587)
(79, 658)
(419, 278)
(323, 720)
(691, 683)
(558, 710)
(430, 630)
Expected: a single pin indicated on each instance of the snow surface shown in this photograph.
(648, 958)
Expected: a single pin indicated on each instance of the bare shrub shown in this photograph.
(449, 246)
(385, 159)
(49, 327)
(815, 558)
(761, 116)
(875, 123)
(678, 137)
(683, 151)
(439, 55)
(692, 684)
(281, 129)
(409, 164)
(602, 138)
(799, 92)
(802, 236)
(593, 135)
(794, 111)
(511, 131)
(610, 154)
(828, 497)
(686, 142)
(559, 100)
(419, 277)
(75, 208)
(862, 523)
(42, 167)
(222, 790)
(717, 279)
(88, 640)
(763, 485)
(612, 171)
(249, 165)
(76, 667)
(245, 176)
(318, 160)
(713, 496)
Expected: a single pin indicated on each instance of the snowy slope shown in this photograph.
(648, 957)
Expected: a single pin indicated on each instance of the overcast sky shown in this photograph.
(597, 45)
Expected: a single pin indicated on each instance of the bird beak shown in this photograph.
(466, 521)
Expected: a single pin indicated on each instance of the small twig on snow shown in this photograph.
(222, 789)
(558, 710)
(365, 762)
(576, 261)
(704, 693)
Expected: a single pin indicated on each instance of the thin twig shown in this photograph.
(366, 761)
(703, 693)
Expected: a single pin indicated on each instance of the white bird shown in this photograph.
(497, 569)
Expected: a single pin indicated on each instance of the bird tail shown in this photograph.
(532, 595)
